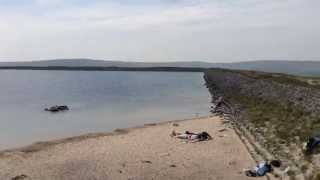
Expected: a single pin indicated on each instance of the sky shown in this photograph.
(160, 30)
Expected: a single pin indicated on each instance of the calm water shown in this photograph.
(99, 102)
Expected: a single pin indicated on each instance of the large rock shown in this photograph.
(57, 108)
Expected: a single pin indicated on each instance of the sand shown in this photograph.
(140, 153)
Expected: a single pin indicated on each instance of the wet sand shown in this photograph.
(137, 153)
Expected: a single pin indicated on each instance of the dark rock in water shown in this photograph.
(52, 109)
(57, 108)
(63, 108)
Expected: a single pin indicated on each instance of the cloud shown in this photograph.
(159, 29)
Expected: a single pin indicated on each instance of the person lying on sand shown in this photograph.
(192, 137)
(263, 168)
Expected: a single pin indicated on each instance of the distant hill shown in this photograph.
(307, 68)
(304, 68)
(103, 63)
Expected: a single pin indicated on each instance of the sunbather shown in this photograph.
(263, 168)
(192, 137)
(260, 170)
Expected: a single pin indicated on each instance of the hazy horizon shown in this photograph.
(160, 30)
(164, 61)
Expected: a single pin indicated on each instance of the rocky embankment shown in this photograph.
(278, 111)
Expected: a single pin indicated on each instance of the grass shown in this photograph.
(280, 126)
(312, 82)
(278, 123)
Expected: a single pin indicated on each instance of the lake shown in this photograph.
(99, 101)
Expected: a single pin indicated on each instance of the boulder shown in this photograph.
(57, 108)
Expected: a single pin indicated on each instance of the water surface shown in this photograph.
(99, 102)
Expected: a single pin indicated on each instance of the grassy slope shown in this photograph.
(286, 121)
(284, 126)
(312, 82)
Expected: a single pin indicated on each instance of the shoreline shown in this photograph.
(41, 145)
(141, 152)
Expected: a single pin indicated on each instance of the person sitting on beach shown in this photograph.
(192, 137)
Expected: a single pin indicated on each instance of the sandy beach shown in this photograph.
(132, 154)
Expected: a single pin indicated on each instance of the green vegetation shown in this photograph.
(280, 124)
(313, 82)
(280, 120)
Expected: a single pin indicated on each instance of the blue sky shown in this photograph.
(160, 30)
